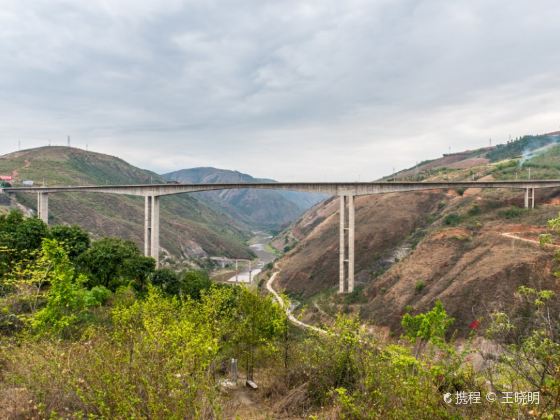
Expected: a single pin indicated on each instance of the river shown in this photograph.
(258, 244)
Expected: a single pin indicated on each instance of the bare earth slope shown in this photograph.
(456, 246)
(385, 222)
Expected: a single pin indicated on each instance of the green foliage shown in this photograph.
(187, 283)
(166, 280)
(68, 300)
(452, 219)
(554, 224)
(21, 236)
(193, 283)
(156, 360)
(419, 286)
(259, 322)
(356, 296)
(430, 326)
(517, 147)
(511, 213)
(74, 239)
(113, 262)
(531, 356)
(474, 210)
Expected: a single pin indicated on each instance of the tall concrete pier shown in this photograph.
(346, 247)
(151, 227)
(43, 207)
(529, 198)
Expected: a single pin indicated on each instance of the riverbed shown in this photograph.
(259, 245)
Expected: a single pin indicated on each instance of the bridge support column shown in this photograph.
(347, 235)
(43, 207)
(529, 198)
(342, 246)
(154, 240)
(147, 225)
(351, 233)
(151, 227)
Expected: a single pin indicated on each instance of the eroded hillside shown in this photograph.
(470, 248)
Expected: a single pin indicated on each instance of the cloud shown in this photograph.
(293, 90)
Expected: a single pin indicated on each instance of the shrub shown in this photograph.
(420, 285)
(474, 210)
(511, 213)
(68, 300)
(452, 219)
(430, 326)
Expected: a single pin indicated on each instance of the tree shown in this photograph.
(19, 238)
(112, 262)
(166, 280)
(192, 283)
(430, 326)
(67, 299)
(259, 322)
(74, 239)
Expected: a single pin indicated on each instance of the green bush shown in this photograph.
(113, 262)
(452, 219)
(474, 210)
(420, 285)
(511, 213)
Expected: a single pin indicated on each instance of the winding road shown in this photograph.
(289, 309)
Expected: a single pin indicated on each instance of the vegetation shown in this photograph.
(452, 219)
(511, 213)
(516, 147)
(91, 330)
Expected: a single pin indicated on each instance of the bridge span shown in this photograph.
(345, 190)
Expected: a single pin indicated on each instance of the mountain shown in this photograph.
(471, 249)
(264, 209)
(189, 229)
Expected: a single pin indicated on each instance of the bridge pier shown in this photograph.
(346, 247)
(43, 206)
(151, 227)
(529, 198)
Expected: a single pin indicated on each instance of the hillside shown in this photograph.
(189, 228)
(270, 210)
(471, 249)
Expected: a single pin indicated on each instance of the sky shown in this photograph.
(291, 90)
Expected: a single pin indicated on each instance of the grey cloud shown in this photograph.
(290, 89)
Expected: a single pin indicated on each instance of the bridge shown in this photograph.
(345, 190)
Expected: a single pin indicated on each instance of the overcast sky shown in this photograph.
(292, 90)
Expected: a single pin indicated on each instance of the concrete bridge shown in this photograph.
(345, 190)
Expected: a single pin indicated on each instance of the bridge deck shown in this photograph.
(331, 188)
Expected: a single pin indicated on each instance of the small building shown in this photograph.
(6, 178)
(27, 183)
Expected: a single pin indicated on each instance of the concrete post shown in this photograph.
(236, 271)
(526, 198)
(250, 272)
(233, 370)
(147, 227)
(342, 246)
(43, 207)
(532, 198)
(155, 229)
(350, 243)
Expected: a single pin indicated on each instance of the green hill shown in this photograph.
(189, 229)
